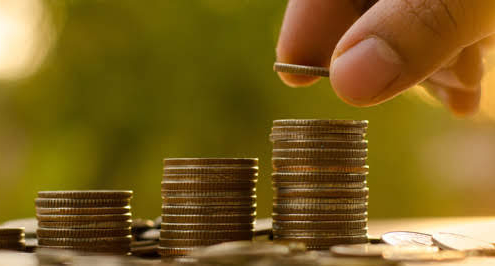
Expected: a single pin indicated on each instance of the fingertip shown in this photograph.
(297, 80)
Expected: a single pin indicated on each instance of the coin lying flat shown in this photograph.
(283, 162)
(320, 200)
(83, 211)
(320, 153)
(209, 201)
(316, 225)
(320, 122)
(207, 226)
(319, 208)
(318, 129)
(284, 233)
(220, 177)
(301, 70)
(80, 218)
(320, 184)
(359, 250)
(323, 241)
(274, 137)
(317, 177)
(323, 169)
(191, 242)
(80, 203)
(324, 193)
(87, 242)
(173, 185)
(207, 234)
(83, 233)
(406, 238)
(205, 193)
(100, 249)
(174, 251)
(460, 242)
(87, 194)
(320, 144)
(197, 218)
(211, 210)
(210, 170)
(421, 254)
(320, 217)
(86, 224)
(211, 161)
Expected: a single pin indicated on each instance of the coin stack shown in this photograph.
(206, 201)
(92, 220)
(320, 193)
(12, 238)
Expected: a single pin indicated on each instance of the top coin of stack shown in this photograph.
(85, 220)
(12, 238)
(321, 198)
(206, 201)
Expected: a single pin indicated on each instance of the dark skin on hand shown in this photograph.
(377, 49)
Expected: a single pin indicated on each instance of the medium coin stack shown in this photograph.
(86, 220)
(319, 180)
(12, 238)
(206, 201)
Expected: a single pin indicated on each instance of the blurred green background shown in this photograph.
(94, 94)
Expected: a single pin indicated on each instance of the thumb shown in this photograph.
(399, 43)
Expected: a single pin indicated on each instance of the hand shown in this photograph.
(376, 53)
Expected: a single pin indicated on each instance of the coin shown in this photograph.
(316, 136)
(207, 234)
(173, 185)
(301, 70)
(220, 177)
(324, 169)
(86, 242)
(81, 218)
(320, 200)
(318, 233)
(320, 153)
(211, 161)
(83, 233)
(282, 185)
(319, 208)
(315, 225)
(174, 251)
(406, 238)
(87, 194)
(86, 224)
(81, 203)
(284, 162)
(459, 242)
(11, 231)
(205, 193)
(197, 218)
(323, 193)
(209, 201)
(320, 217)
(83, 211)
(211, 210)
(10, 238)
(99, 249)
(236, 251)
(147, 248)
(320, 144)
(9, 242)
(210, 170)
(318, 129)
(359, 250)
(317, 177)
(323, 241)
(421, 254)
(320, 122)
(190, 242)
(207, 226)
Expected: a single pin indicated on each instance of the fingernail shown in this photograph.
(365, 70)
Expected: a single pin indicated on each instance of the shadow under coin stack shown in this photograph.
(12, 238)
(206, 201)
(92, 221)
(320, 193)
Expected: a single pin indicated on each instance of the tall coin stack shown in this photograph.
(12, 238)
(92, 220)
(320, 193)
(206, 201)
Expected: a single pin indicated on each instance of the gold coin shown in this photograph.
(319, 184)
(81, 218)
(324, 169)
(81, 203)
(318, 129)
(320, 217)
(360, 250)
(323, 241)
(190, 242)
(320, 144)
(209, 201)
(228, 177)
(83, 211)
(323, 193)
(205, 193)
(317, 177)
(173, 185)
(320, 200)
(86, 242)
(86, 224)
(83, 233)
(87, 194)
(460, 242)
(301, 69)
(210, 170)
(274, 137)
(317, 225)
(319, 208)
(207, 226)
(202, 218)
(211, 210)
(320, 153)
(119, 249)
(207, 234)
(211, 161)
(284, 233)
(279, 162)
(320, 122)
(174, 251)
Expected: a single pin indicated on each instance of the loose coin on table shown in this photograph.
(406, 238)
(460, 242)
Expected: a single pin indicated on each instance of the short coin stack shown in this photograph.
(321, 198)
(206, 201)
(12, 238)
(92, 220)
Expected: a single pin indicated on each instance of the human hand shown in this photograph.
(374, 54)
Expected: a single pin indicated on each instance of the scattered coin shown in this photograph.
(460, 242)
(421, 254)
(359, 250)
(237, 252)
(406, 238)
